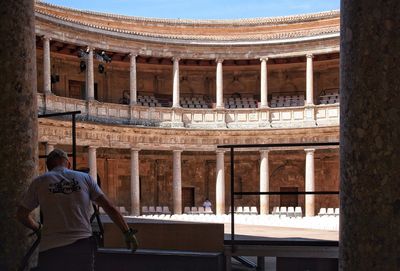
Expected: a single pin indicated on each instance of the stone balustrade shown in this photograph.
(254, 118)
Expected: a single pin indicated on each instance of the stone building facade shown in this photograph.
(269, 80)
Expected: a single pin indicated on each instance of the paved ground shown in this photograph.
(273, 233)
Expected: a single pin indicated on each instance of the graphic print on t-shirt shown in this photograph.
(64, 186)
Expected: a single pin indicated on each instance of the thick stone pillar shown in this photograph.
(220, 85)
(310, 182)
(18, 123)
(92, 162)
(135, 185)
(309, 80)
(46, 66)
(264, 83)
(264, 182)
(132, 80)
(369, 135)
(177, 182)
(220, 184)
(175, 82)
(89, 76)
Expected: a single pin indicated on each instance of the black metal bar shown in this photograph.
(287, 193)
(279, 145)
(74, 141)
(59, 114)
(232, 195)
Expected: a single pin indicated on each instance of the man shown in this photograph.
(207, 204)
(65, 197)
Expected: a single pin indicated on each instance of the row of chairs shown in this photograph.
(245, 210)
(329, 212)
(152, 210)
(288, 211)
(197, 210)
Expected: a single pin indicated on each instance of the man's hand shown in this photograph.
(38, 231)
(130, 239)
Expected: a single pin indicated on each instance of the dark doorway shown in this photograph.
(289, 200)
(188, 196)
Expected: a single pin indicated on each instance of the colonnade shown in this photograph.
(219, 200)
(175, 75)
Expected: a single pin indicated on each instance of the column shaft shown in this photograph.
(177, 182)
(369, 135)
(264, 182)
(264, 83)
(92, 162)
(220, 184)
(49, 148)
(18, 124)
(220, 85)
(310, 182)
(46, 66)
(309, 80)
(175, 86)
(90, 76)
(135, 184)
(132, 81)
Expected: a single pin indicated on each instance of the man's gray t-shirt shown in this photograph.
(64, 197)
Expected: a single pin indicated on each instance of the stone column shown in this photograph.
(220, 85)
(177, 182)
(18, 124)
(49, 147)
(220, 183)
(310, 182)
(46, 66)
(135, 184)
(89, 76)
(369, 135)
(92, 162)
(309, 80)
(264, 182)
(264, 83)
(175, 81)
(132, 81)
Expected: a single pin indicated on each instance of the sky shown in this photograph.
(202, 9)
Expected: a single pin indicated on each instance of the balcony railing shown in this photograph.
(249, 118)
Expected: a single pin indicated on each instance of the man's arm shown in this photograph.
(24, 216)
(112, 212)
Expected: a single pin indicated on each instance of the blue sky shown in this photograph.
(203, 9)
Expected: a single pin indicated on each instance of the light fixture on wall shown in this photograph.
(82, 66)
(101, 68)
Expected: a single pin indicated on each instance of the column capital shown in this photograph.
(133, 54)
(219, 60)
(135, 149)
(176, 58)
(264, 151)
(308, 150)
(45, 37)
(309, 55)
(177, 150)
(92, 147)
(89, 48)
(220, 151)
(263, 58)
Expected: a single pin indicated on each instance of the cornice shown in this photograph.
(299, 18)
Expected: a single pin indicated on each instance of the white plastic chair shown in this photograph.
(246, 210)
(322, 212)
(253, 210)
(337, 212)
(290, 211)
(283, 211)
(194, 210)
(152, 210)
(239, 210)
(330, 211)
(208, 210)
(186, 210)
(165, 210)
(159, 210)
(298, 212)
(201, 210)
(275, 210)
